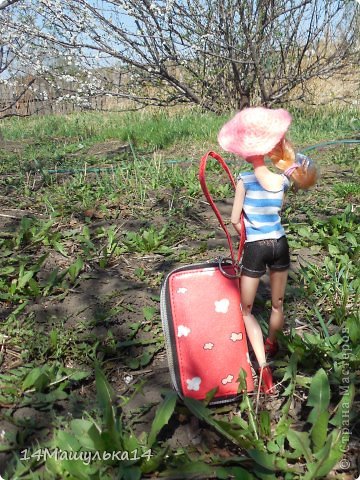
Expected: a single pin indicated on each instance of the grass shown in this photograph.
(312, 125)
(347, 189)
(52, 142)
(162, 128)
(81, 263)
(156, 130)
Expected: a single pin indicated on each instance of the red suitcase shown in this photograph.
(203, 325)
(204, 332)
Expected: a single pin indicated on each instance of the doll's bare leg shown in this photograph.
(278, 282)
(249, 287)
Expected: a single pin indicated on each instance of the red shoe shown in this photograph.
(271, 347)
(265, 376)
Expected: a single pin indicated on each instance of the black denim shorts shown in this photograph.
(273, 253)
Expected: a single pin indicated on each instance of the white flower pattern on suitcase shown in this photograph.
(183, 331)
(208, 346)
(193, 383)
(236, 337)
(228, 379)
(182, 290)
(222, 306)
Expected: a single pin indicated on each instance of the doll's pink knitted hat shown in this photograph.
(254, 131)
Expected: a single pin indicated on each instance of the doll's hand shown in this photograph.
(303, 161)
(256, 160)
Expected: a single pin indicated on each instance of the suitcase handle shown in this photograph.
(237, 268)
(202, 178)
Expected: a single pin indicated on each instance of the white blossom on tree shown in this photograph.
(218, 55)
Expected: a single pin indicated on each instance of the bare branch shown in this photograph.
(7, 3)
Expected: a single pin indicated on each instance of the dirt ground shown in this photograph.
(97, 294)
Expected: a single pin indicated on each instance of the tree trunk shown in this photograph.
(243, 101)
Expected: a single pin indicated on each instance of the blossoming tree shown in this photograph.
(218, 55)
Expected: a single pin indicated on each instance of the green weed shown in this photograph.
(148, 240)
(336, 286)
(346, 189)
(298, 454)
(338, 235)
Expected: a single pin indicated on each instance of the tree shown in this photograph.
(218, 55)
(20, 59)
(9, 51)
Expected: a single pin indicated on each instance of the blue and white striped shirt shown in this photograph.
(261, 209)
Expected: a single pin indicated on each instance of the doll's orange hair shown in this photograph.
(283, 157)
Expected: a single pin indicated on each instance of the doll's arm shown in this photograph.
(237, 206)
(268, 180)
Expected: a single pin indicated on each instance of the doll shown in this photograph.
(253, 134)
